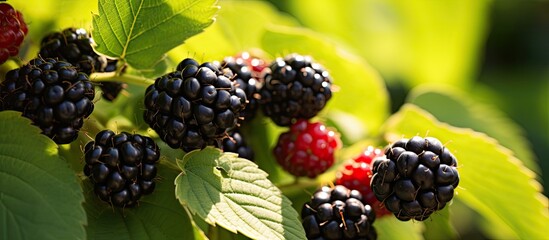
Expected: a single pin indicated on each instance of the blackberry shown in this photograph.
(194, 106)
(76, 47)
(416, 178)
(121, 166)
(307, 149)
(338, 213)
(245, 81)
(53, 94)
(235, 143)
(13, 30)
(110, 90)
(295, 88)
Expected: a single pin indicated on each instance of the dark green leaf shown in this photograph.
(158, 215)
(39, 194)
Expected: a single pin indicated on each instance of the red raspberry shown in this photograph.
(12, 31)
(307, 149)
(357, 173)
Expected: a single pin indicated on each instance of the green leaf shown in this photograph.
(452, 106)
(438, 226)
(158, 216)
(140, 31)
(356, 81)
(233, 31)
(403, 39)
(235, 194)
(492, 180)
(391, 228)
(39, 194)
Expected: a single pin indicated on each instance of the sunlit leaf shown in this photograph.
(140, 32)
(391, 228)
(235, 194)
(403, 39)
(238, 27)
(454, 107)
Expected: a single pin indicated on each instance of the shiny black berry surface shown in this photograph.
(295, 88)
(53, 94)
(121, 166)
(194, 106)
(417, 177)
(338, 213)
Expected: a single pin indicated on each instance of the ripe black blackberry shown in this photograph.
(338, 213)
(53, 94)
(295, 88)
(75, 46)
(242, 75)
(235, 143)
(416, 177)
(121, 166)
(194, 106)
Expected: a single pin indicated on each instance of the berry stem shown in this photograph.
(126, 78)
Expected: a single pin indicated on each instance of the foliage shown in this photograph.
(207, 194)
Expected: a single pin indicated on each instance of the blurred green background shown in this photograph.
(495, 54)
(476, 64)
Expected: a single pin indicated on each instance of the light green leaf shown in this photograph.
(360, 89)
(492, 180)
(403, 39)
(39, 194)
(140, 31)
(235, 194)
(391, 228)
(239, 27)
(438, 226)
(454, 107)
(158, 215)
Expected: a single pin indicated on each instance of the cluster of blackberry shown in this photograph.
(194, 106)
(295, 88)
(338, 213)
(121, 166)
(76, 47)
(53, 94)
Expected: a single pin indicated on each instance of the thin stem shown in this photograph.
(298, 185)
(127, 78)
